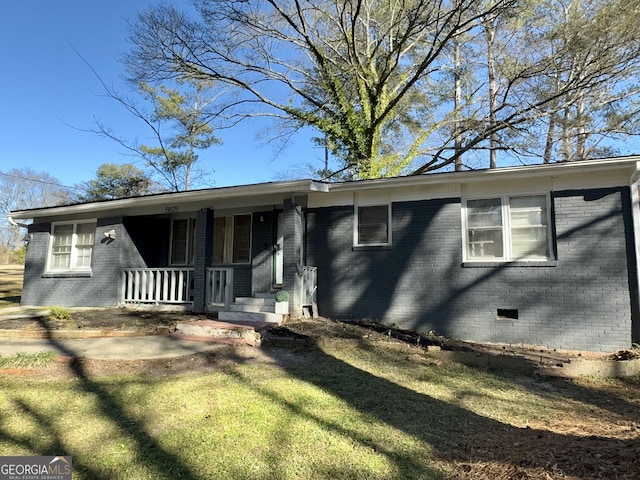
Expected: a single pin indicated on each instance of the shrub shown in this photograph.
(282, 296)
(60, 313)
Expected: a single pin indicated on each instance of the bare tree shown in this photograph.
(23, 189)
(367, 73)
(356, 70)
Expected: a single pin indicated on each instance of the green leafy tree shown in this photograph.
(116, 181)
(175, 157)
(180, 124)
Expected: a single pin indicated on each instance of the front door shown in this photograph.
(278, 252)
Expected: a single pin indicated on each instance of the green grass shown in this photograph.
(24, 360)
(346, 411)
(10, 285)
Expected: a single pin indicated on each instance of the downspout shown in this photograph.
(635, 216)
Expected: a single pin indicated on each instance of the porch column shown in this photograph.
(203, 250)
(293, 233)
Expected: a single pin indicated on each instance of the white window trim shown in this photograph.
(356, 208)
(506, 230)
(74, 251)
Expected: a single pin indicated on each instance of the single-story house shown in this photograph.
(542, 255)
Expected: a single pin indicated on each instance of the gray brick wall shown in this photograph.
(584, 301)
(100, 288)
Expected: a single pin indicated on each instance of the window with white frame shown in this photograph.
(182, 240)
(71, 246)
(232, 239)
(372, 225)
(507, 228)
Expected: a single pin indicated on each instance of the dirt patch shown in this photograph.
(101, 319)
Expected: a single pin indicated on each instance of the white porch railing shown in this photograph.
(309, 285)
(219, 287)
(157, 285)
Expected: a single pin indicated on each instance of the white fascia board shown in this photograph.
(629, 164)
(257, 191)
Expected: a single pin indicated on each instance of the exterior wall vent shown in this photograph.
(508, 313)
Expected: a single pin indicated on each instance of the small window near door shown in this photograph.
(182, 241)
(372, 225)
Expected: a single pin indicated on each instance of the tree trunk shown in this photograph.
(457, 104)
(490, 31)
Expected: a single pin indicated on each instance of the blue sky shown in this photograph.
(46, 90)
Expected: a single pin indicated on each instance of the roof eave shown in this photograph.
(260, 189)
(502, 173)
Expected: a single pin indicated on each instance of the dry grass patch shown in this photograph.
(10, 285)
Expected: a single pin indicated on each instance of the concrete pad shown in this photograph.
(130, 348)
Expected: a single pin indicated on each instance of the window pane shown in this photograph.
(85, 232)
(373, 224)
(485, 243)
(63, 235)
(242, 239)
(221, 240)
(484, 228)
(84, 244)
(179, 241)
(61, 249)
(484, 213)
(529, 226)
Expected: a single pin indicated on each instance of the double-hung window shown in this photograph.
(232, 239)
(182, 241)
(372, 225)
(507, 228)
(71, 246)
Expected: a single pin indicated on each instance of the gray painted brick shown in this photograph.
(420, 283)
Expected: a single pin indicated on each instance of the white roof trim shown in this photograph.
(176, 198)
(472, 176)
(307, 186)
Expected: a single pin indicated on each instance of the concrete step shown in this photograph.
(210, 330)
(253, 301)
(251, 317)
(245, 307)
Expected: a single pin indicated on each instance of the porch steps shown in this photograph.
(260, 308)
(225, 333)
(273, 318)
(253, 304)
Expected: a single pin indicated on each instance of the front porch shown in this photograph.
(210, 260)
(176, 288)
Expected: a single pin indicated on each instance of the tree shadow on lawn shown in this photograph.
(448, 431)
(162, 463)
(456, 434)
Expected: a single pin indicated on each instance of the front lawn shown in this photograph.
(349, 409)
(10, 285)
